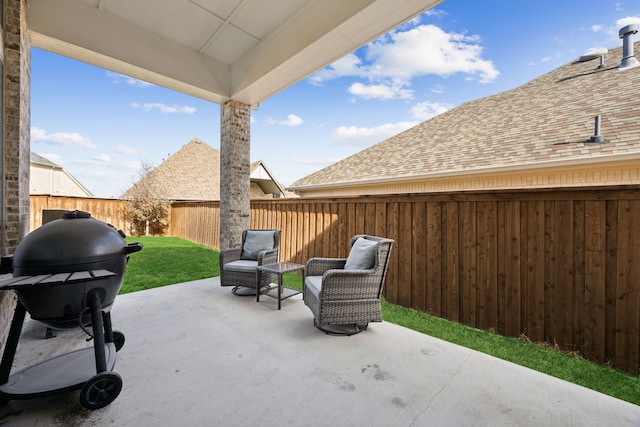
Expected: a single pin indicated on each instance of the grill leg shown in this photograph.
(98, 332)
(108, 330)
(12, 342)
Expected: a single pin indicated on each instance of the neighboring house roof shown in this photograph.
(193, 173)
(511, 139)
(46, 177)
(262, 176)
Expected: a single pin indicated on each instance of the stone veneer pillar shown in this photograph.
(15, 142)
(235, 139)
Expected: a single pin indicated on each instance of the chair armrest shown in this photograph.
(228, 255)
(350, 285)
(317, 266)
(268, 257)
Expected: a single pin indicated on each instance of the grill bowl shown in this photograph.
(75, 243)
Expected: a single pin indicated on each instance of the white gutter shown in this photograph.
(549, 164)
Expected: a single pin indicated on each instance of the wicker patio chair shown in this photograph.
(238, 265)
(344, 293)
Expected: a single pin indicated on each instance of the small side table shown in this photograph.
(283, 292)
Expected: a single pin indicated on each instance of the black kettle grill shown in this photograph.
(67, 274)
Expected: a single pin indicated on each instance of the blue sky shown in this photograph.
(102, 126)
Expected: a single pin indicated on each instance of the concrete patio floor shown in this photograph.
(197, 355)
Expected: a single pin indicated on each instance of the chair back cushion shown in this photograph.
(362, 255)
(256, 241)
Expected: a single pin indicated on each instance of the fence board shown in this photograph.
(487, 280)
(535, 233)
(434, 261)
(391, 286)
(468, 264)
(611, 279)
(580, 234)
(550, 268)
(451, 267)
(595, 281)
(419, 284)
(563, 298)
(343, 233)
(404, 245)
(509, 276)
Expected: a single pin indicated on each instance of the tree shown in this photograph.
(147, 209)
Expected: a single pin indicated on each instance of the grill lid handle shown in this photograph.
(132, 247)
(76, 214)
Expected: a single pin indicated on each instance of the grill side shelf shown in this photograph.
(10, 282)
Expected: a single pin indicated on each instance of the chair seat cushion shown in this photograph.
(256, 241)
(362, 255)
(313, 284)
(241, 266)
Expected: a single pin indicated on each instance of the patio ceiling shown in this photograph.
(246, 50)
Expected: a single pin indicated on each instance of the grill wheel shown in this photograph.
(100, 390)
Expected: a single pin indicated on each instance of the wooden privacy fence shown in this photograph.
(196, 221)
(560, 266)
(110, 211)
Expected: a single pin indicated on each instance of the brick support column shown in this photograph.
(235, 139)
(15, 142)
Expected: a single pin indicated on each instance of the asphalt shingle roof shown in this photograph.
(192, 173)
(37, 158)
(550, 118)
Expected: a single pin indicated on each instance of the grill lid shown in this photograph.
(73, 243)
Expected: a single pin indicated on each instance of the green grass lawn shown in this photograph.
(166, 261)
(169, 260)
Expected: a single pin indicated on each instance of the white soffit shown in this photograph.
(246, 50)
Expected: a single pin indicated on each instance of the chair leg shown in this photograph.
(243, 291)
(341, 330)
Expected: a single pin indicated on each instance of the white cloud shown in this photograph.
(63, 139)
(427, 49)
(163, 108)
(349, 65)
(136, 165)
(124, 149)
(102, 158)
(608, 34)
(435, 12)
(392, 61)
(105, 162)
(364, 136)
(380, 91)
(291, 121)
(437, 89)
(623, 22)
(426, 110)
(557, 55)
(118, 78)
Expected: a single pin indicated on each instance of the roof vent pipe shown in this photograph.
(597, 138)
(626, 34)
